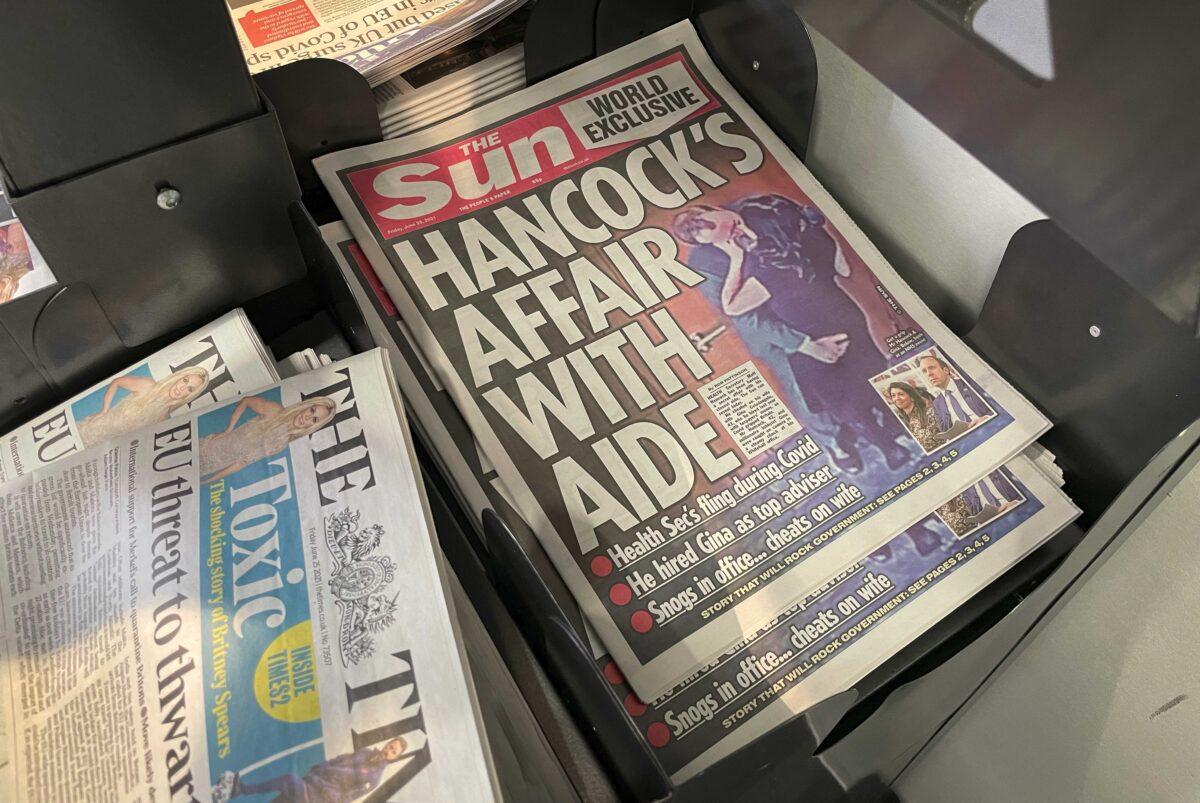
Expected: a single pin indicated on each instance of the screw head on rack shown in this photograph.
(169, 198)
(754, 65)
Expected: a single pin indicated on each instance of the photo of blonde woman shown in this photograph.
(269, 432)
(143, 402)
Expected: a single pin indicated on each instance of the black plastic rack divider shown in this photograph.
(1059, 323)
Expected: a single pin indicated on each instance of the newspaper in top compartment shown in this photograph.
(379, 39)
(676, 349)
(22, 269)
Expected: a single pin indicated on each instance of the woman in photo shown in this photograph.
(964, 513)
(915, 407)
(341, 779)
(146, 402)
(269, 432)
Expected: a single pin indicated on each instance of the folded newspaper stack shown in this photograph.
(229, 595)
(300, 362)
(745, 444)
(928, 552)
(379, 39)
(405, 109)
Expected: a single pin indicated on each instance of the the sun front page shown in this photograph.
(705, 389)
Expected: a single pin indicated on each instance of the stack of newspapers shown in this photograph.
(404, 108)
(628, 319)
(380, 39)
(221, 585)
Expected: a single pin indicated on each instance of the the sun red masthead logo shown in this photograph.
(527, 151)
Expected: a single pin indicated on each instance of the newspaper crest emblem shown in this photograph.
(359, 583)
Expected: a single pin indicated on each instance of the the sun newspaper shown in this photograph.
(216, 362)
(846, 628)
(241, 602)
(704, 388)
(219, 361)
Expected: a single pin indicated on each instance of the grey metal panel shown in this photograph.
(887, 743)
(525, 764)
(1103, 703)
(1106, 149)
(154, 271)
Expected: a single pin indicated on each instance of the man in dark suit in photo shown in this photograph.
(981, 503)
(956, 405)
(991, 496)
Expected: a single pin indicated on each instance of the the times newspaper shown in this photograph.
(704, 388)
(848, 627)
(218, 361)
(242, 603)
(377, 38)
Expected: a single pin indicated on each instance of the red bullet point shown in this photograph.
(658, 734)
(601, 566)
(620, 594)
(634, 706)
(613, 673)
(641, 621)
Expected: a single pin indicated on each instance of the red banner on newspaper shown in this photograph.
(526, 151)
(278, 23)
